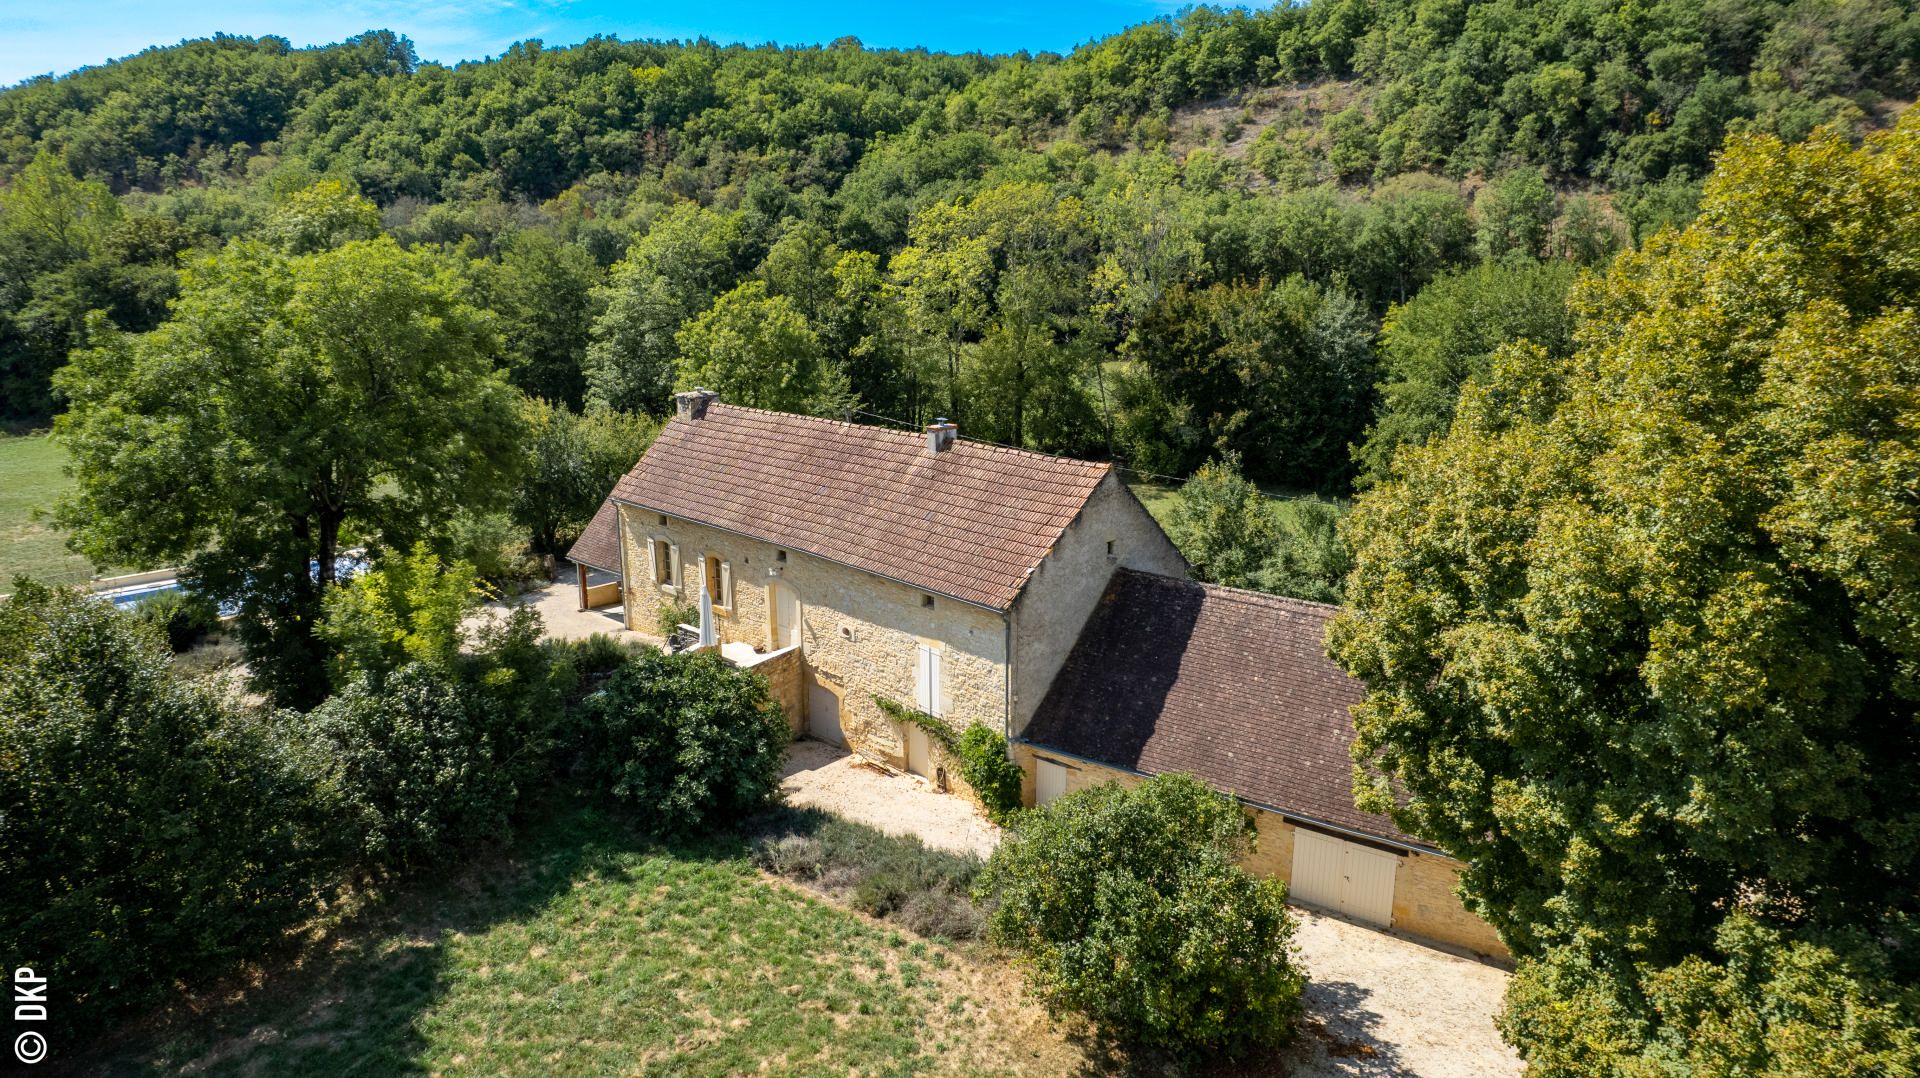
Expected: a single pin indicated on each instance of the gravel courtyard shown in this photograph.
(818, 775)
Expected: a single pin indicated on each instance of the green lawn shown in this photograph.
(30, 480)
(588, 950)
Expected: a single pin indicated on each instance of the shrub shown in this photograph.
(497, 549)
(1129, 905)
(985, 765)
(148, 830)
(672, 615)
(183, 617)
(694, 740)
(419, 761)
(409, 607)
(894, 876)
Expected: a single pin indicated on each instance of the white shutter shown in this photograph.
(936, 683)
(654, 556)
(926, 681)
(726, 584)
(673, 564)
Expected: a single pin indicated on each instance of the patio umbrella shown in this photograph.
(706, 619)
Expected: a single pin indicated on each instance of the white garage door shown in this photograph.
(823, 715)
(1343, 876)
(1049, 781)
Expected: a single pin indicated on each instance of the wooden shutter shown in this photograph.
(726, 584)
(673, 564)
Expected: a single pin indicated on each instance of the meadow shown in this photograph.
(583, 947)
(31, 481)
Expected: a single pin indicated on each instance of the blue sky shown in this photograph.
(39, 37)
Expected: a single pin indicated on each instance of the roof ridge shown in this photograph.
(915, 436)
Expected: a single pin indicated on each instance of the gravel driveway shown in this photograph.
(818, 775)
(1381, 1005)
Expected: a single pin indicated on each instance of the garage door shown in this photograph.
(1049, 781)
(1343, 876)
(823, 715)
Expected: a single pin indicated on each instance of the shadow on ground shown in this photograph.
(351, 1001)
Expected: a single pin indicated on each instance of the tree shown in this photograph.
(758, 350)
(1000, 281)
(543, 292)
(320, 218)
(571, 464)
(1640, 633)
(1310, 559)
(1514, 214)
(288, 403)
(148, 827)
(1279, 374)
(1221, 522)
(669, 275)
(1129, 904)
(1445, 336)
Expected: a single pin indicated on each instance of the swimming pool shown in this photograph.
(345, 567)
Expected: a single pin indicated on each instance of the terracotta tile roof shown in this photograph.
(1232, 686)
(599, 546)
(971, 522)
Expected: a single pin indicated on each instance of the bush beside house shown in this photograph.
(1129, 905)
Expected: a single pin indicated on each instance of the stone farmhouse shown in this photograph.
(1028, 592)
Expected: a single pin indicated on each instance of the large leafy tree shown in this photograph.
(1642, 634)
(290, 405)
(1278, 373)
(758, 350)
(1432, 344)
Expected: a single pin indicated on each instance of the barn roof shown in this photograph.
(1231, 686)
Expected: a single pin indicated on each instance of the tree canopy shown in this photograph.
(288, 405)
(1640, 633)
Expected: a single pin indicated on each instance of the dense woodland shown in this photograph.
(1601, 314)
(1178, 241)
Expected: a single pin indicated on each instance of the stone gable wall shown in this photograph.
(1062, 592)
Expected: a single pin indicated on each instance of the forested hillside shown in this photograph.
(1175, 242)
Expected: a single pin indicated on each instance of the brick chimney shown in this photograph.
(940, 435)
(693, 404)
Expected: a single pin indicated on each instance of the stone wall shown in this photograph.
(1424, 905)
(859, 633)
(1062, 592)
(786, 683)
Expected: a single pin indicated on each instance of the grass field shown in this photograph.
(30, 480)
(585, 949)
